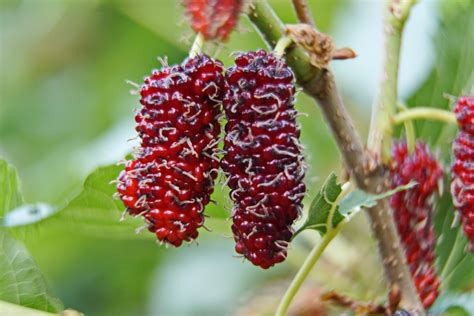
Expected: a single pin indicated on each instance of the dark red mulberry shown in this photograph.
(462, 170)
(214, 19)
(262, 160)
(413, 213)
(172, 177)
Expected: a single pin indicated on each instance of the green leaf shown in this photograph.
(454, 304)
(359, 198)
(93, 211)
(321, 206)
(10, 195)
(21, 282)
(324, 202)
(13, 309)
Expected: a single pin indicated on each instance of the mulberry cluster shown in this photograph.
(170, 180)
(413, 212)
(214, 19)
(462, 180)
(262, 160)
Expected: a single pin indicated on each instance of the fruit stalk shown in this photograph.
(319, 84)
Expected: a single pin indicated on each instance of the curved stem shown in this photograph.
(197, 45)
(281, 45)
(409, 130)
(425, 113)
(314, 255)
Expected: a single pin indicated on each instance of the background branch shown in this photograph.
(303, 12)
(367, 173)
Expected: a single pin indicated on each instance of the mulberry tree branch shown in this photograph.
(368, 173)
(303, 12)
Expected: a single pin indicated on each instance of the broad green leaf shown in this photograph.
(21, 282)
(95, 212)
(326, 198)
(8, 309)
(454, 304)
(10, 195)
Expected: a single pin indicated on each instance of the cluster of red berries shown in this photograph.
(172, 177)
(214, 19)
(262, 160)
(462, 182)
(413, 213)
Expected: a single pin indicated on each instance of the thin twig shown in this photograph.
(303, 12)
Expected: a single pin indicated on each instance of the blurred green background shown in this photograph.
(65, 109)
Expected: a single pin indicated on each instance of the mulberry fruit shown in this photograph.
(262, 159)
(214, 19)
(462, 170)
(413, 213)
(171, 179)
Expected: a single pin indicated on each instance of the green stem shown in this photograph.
(197, 45)
(314, 255)
(425, 113)
(409, 130)
(303, 272)
(281, 45)
(380, 133)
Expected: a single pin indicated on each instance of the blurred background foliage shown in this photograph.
(65, 109)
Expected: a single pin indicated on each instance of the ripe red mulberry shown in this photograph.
(172, 177)
(262, 159)
(215, 19)
(462, 170)
(413, 212)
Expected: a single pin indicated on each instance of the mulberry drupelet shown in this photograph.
(462, 170)
(171, 179)
(262, 159)
(413, 212)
